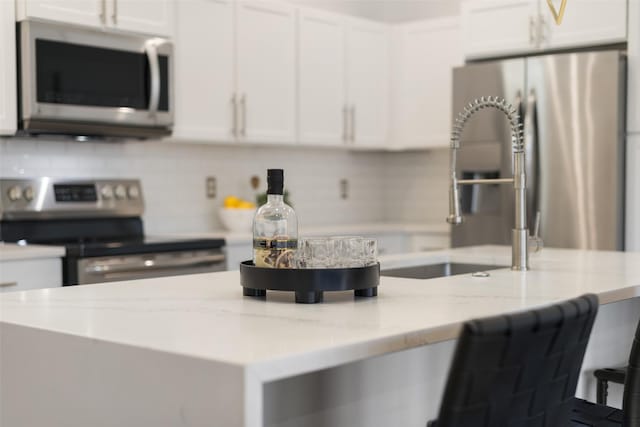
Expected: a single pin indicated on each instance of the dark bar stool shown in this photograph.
(604, 377)
(596, 415)
(518, 370)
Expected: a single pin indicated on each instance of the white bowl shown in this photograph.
(240, 220)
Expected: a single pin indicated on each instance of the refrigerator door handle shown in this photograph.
(531, 147)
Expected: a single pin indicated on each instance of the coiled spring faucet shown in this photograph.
(520, 234)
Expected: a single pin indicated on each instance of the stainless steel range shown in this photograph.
(99, 223)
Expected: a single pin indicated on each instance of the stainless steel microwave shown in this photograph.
(87, 82)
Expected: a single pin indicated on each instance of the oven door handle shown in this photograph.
(152, 265)
(151, 49)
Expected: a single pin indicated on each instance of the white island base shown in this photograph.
(191, 351)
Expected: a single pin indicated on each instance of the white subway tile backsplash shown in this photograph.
(409, 186)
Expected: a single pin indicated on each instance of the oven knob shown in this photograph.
(107, 192)
(28, 194)
(14, 193)
(133, 192)
(121, 192)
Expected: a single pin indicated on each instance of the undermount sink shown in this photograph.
(433, 271)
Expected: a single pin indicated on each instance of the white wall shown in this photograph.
(383, 186)
(388, 10)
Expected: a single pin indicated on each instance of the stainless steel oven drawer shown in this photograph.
(130, 267)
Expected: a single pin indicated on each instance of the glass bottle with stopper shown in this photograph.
(275, 227)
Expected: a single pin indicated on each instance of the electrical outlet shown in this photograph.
(212, 187)
(344, 189)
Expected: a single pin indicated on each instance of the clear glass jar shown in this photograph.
(275, 227)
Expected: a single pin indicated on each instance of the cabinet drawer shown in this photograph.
(22, 275)
(428, 242)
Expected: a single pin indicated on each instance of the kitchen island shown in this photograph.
(191, 351)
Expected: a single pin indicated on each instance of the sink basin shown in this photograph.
(437, 270)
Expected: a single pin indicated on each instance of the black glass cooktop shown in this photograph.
(100, 237)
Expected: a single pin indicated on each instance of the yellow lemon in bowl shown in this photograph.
(231, 202)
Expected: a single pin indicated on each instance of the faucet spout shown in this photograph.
(520, 234)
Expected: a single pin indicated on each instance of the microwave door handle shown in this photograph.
(151, 48)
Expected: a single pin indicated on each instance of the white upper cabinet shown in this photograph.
(499, 27)
(368, 80)
(322, 114)
(143, 16)
(205, 70)
(585, 23)
(81, 12)
(140, 16)
(495, 28)
(424, 55)
(266, 71)
(8, 83)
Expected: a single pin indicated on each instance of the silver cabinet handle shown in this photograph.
(234, 115)
(353, 123)
(103, 12)
(532, 31)
(243, 110)
(114, 15)
(8, 284)
(540, 31)
(345, 123)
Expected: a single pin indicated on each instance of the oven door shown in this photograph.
(87, 82)
(130, 267)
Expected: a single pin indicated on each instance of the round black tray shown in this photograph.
(309, 283)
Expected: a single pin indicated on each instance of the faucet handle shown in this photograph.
(535, 241)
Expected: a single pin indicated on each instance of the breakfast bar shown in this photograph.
(191, 350)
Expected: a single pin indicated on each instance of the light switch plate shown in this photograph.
(344, 189)
(212, 187)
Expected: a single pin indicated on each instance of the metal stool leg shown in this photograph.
(602, 391)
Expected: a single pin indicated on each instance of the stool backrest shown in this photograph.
(631, 402)
(519, 370)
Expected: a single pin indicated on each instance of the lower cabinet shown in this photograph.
(421, 242)
(22, 275)
(236, 253)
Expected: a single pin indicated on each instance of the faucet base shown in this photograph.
(520, 249)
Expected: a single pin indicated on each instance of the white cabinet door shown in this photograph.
(204, 69)
(421, 242)
(266, 71)
(8, 83)
(142, 16)
(632, 226)
(426, 52)
(91, 13)
(22, 275)
(392, 243)
(321, 78)
(237, 253)
(586, 23)
(499, 27)
(368, 79)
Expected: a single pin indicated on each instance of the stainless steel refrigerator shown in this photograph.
(573, 109)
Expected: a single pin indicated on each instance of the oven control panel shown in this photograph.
(70, 198)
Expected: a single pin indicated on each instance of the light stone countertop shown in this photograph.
(205, 317)
(13, 252)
